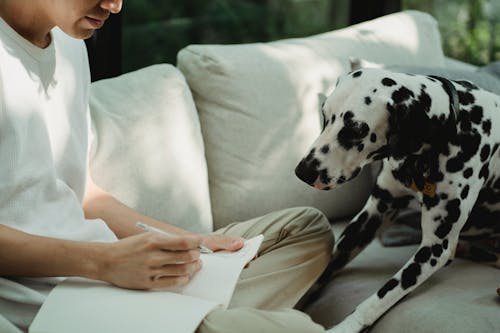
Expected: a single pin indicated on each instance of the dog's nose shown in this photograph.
(307, 171)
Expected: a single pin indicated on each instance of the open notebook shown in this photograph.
(82, 306)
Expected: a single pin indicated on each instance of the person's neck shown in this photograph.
(27, 20)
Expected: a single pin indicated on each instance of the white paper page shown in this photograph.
(83, 307)
(218, 277)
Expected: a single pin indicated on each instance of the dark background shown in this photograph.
(153, 31)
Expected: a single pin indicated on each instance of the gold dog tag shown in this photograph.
(429, 188)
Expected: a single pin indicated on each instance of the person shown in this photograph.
(56, 222)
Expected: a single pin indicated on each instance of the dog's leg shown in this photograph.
(377, 214)
(441, 225)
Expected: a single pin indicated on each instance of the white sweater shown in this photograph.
(43, 151)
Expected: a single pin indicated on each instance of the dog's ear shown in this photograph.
(396, 138)
(408, 127)
(321, 112)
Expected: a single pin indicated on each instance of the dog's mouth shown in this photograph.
(321, 186)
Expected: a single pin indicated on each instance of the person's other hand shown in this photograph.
(150, 261)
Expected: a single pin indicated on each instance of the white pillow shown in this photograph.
(258, 106)
(148, 149)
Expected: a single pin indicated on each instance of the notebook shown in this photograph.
(80, 305)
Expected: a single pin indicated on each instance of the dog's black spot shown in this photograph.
(391, 284)
(310, 156)
(429, 201)
(401, 95)
(374, 90)
(333, 119)
(453, 209)
(341, 180)
(465, 192)
(386, 196)
(348, 116)
(409, 275)
(437, 250)
(357, 73)
(373, 137)
(388, 82)
(325, 149)
(360, 147)
(355, 173)
(487, 127)
(359, 232)
(468, 172)
(423, 255)
(484, 172)
(444, 196)
(382, 206)
(353, 132)
(476, 114)
(464, 121)
(445, 244)
(469, 144)
(485, 152)
(401, 202)
(368, 100)
(465, 98)
(340, 260)
(324, 177)
(433, 262)
(443, 230)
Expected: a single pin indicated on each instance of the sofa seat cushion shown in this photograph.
(459, 298)
(147, 147)
(259, 109)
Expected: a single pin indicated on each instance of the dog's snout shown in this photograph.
(307, 171)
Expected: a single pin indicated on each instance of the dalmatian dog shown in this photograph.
(438, 141)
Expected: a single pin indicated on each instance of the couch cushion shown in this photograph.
(148, 149)
(258, 106)
(481, 77)
(459, 298)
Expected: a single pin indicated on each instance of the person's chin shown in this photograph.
(81, 33)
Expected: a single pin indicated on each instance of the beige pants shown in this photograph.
(296, 248)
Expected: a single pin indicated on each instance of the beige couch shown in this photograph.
(217, 139)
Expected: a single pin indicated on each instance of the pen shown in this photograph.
(203, 249)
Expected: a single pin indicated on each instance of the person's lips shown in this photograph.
(96, 22)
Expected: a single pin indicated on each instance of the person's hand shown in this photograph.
(149, 261)
(223, 242)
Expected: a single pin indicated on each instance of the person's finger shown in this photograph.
(174, 243)
(224, 242)
(167, 281)
(177, 270)
(159, 281)
(163, 257)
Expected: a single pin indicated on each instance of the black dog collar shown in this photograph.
(452, 93)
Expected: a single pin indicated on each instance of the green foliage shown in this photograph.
(470, 29)
(155, 30)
